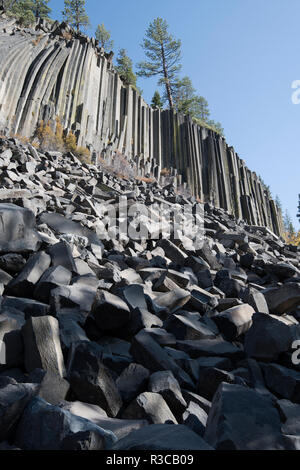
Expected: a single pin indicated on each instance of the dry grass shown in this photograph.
(21, 138)
(145, 179)
(36, 41)
(165, 172)
(67, 36)
(57, 140)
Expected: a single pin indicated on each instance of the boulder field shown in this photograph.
(179, 341)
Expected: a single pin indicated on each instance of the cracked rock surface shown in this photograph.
(127, 343)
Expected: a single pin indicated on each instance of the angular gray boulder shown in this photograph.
(151, 407)
(23, 285)
(282, 381)
(267, 338)
(235, 321)
(109, 311)
(243, 419)
(13, 399)
(18, 230)
(47, 427)
(42, 345)
(158, 437)
(132, 381)
(168, 387)
(90, 380)
(93, 413)
(283, 299)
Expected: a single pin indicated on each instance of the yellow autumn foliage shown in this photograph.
(56, 140)
(292, 238)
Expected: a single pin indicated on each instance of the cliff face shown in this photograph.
(50, 72)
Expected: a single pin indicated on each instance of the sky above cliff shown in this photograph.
(242, 56)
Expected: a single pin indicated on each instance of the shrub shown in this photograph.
(70, 141)
(83, 154)
(50, 140)
(165, 172)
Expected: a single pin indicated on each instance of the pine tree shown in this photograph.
(156, 101)
(124, 68)
(23, 11)
(278, 202)
(27, 10)
(104, 38)
(75, 14)
(288, 224)
(163, 53)
(216, 127)
(41, 8)
(187, 101)
(8, 4)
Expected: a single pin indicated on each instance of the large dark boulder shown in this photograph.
(13, 399)
(151, 407)
(282, 381)
(243, 419)
(162, 437)
(90, 380)
(42, 345)
(235, 321)
(47, 427)
(18, 230)
(168, 387)
(109, 311)
(267, 338)
(24, 284)
(283, 299)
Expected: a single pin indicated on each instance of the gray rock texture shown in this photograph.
(80, 87)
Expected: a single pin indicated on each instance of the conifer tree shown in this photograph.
(27, 10)
(156, 101)
(104, 38)
(124, 68)
(40, 8)
(75, 14)
(163, 54)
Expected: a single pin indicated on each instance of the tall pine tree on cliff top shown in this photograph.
(163, 53)
(104, 38)
(124, 68)
(41, 8)
(74, 13)
(156, 101)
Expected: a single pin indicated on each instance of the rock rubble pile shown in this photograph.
(153, 343)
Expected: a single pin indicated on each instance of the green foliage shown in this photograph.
(156, 101)
(215, 126)
(104, 38)
(288, 225)
(163, 54)
(75, 15)
(278, 202)
(124, 69)
(188, 102)
(27, 10)
(41, 8)
(23, 12)
(50, 139)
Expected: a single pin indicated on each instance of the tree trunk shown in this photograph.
(167, 80)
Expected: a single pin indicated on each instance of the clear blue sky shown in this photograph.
(242, 56)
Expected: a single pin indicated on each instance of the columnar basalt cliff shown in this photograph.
(51, 72)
